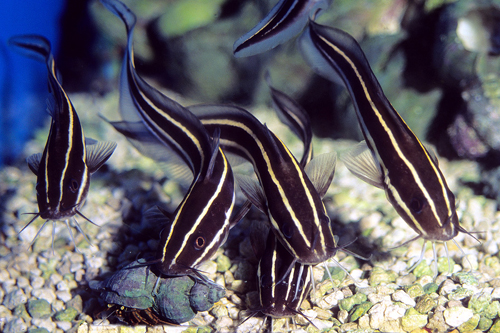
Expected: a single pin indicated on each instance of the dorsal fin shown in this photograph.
(432, 153)
(33, 46)
(157, 216)
(122, 11)
(273, 142)
(145, 142)
(285, 21)
(215, 152)
(294, 117)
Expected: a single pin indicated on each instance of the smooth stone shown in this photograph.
(401, 296)
(66, 315)
(39, 308)
(14, 298)
(425, 304)
(15, 326)
(413, 320)
(458, 315)
(44, 293)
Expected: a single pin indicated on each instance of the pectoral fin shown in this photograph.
(98, 154)
(321, 170)
(34, 162)
(253, 191)
(362, 164)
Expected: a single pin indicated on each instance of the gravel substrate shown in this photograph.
(46, 291)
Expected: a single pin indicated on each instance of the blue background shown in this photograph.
(23, 81)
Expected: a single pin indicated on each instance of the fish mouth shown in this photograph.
(180, 269)
(56, 214)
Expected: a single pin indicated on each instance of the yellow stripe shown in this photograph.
(283, 196)
(397, 149)
(202, 215)
(228, 213)
(174, 223)
(309, 196)
(195, 141)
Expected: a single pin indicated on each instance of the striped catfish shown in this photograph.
(286, 194)
(63, 169)
(391, 157)
(285, 21)
(162, 128)
(281, 291)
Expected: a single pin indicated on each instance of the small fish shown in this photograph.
(166, 131)
(281, 290)
(285, 21)
(286, 194)
(63, 169)
(391, 157)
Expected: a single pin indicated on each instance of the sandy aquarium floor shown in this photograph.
(47, 291)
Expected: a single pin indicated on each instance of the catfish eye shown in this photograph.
(417, 204)
(73, 185)
(287, 230)
(199, 243)
(266, 281)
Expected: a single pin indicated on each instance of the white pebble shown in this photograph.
(44, 293)
(48, 324)
(4, 275)
(64, 325)
(401, 296)
(75, 267)
(22, 282)
(370, 221)
(490, 247)
(62, 285)
(310, 314)
(377, 315)
(393, 312)
(495, 293)
(377, 298)
(233, 313)
(37, 282)
(342, 316)
(357, 273)
(364, 322)
(250, 325)
(322, 324)
(448, 287)
(55, 278)
(95, 262)
(5, 314)
(9, 285)
(458, 315)
(64, 296)
(58, 305)
(224, 322)
(16, 325)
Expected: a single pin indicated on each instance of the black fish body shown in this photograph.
(290, 200)
(63, 169)
(166, 131)
(392, 157)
